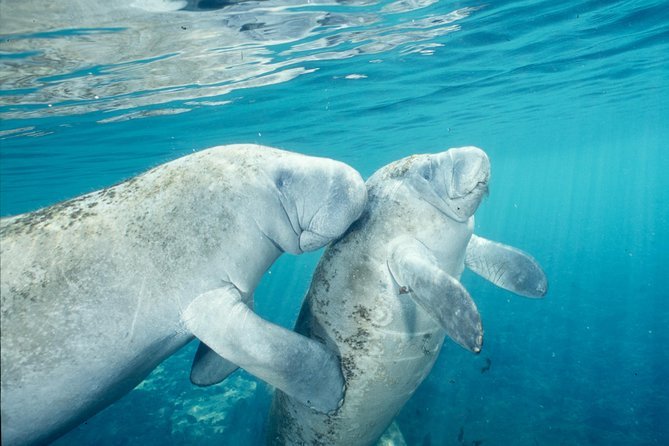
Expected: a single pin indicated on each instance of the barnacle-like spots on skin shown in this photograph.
(109, 194)
(330, 423)
(401, 167)
(325, 435)
(349, 235)
(66, 213)
(289, 423)
(349, 367)
(320, 284)
(358, 340)
(361, 313)
(325, 283)
(19, 293)
(329, 253)
(427, 341)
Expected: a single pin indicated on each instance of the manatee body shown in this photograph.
(387, 293)
(98, 290)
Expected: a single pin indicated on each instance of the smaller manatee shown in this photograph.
(386, 294)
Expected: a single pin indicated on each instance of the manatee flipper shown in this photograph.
(209, 367)
(506, 266)
(417, 273)
(299, 366)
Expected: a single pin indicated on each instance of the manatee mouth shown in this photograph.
(480, 187)
(460, 208)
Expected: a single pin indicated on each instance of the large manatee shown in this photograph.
(98, 290)
(385, 295)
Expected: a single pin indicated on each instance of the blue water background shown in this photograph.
(571, 102)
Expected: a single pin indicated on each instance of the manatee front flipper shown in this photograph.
(209, 367)
(415, 270)
(299, 366)
(506, 267)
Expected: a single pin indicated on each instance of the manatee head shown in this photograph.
(454, 181)
(321, 198)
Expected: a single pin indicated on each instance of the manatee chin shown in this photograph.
(311, 241)
(462, 208)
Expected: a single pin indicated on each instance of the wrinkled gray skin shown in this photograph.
(98, 290)
(386, 294)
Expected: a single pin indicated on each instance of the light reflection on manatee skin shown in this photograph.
(79, 56)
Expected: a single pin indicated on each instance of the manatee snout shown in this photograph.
(343, 200)
(465, 176)
(470, 171)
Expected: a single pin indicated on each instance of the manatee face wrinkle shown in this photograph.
(331, 219)
(282, 179)
(464, 182)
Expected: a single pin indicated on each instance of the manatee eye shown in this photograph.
(282, 179)
(426, 172)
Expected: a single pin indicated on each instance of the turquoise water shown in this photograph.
(569, 99)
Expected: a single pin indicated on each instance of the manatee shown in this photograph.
(385, 295)
(98, 290)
